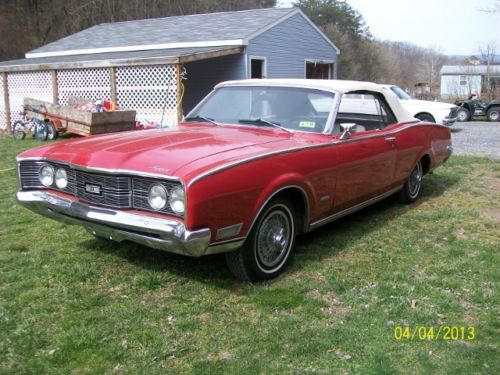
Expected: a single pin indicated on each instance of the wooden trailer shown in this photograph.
(72, 120)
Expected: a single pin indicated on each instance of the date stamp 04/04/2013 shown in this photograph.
(445, 333)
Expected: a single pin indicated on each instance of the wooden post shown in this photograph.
(112, 79)
(6, 102)
(180, 93)
(55, 87)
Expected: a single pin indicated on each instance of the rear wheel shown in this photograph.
(493, 114)
(426, 117)
(463, 114)
(268, 247)
(19, 130)
(411, 189)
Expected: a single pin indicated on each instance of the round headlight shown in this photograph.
(177, 200)
(157, 196)
(61, 178)
(46, 175)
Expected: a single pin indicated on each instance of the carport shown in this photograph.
(148, 81)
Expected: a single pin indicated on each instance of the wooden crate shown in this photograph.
(81, 122)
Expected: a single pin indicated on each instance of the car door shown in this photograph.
(365, 158)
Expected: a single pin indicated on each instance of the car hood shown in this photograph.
(164, 151)
(416, 103)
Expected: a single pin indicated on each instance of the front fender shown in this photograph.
(234, 197)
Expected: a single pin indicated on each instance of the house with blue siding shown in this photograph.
(162, 67)
(459, 81)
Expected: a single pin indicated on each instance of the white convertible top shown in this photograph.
(338, 86)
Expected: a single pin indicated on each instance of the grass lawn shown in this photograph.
(72, 304)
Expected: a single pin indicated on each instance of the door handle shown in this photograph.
(390, 139)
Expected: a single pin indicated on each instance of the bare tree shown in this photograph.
(487, 52)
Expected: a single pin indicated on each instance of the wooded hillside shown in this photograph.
(28, 24)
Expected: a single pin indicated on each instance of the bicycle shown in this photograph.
(37, 127)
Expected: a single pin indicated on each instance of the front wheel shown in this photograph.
(426, 117)
(268, 247)
(19, 130)
(463, 115)
(411, 189)
(493, 114)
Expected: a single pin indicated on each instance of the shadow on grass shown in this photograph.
(321, 243)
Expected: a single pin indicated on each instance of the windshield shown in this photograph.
(400, 93)
(291, 108)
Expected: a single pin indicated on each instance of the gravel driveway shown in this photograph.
(476, 138)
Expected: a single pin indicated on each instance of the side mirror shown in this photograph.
(346, 130)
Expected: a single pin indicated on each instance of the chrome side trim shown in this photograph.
(256, 157)
(352, 209)
(225, 246)
(164, 234)
(222, 168)
(278, 152)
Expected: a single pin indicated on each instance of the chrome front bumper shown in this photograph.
(163, 234)
(449, 121)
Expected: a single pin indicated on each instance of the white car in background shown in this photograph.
(424, 110)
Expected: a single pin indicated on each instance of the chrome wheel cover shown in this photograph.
(461, 115)
(415, 180)
(274, 239)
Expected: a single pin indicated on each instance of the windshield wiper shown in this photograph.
(202, 118)
(259, 121)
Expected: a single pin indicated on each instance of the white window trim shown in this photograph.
(331, 72)
(264, 65)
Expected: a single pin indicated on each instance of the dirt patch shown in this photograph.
(333, 305)
(492, 214)
(219, 356)
(313, 275)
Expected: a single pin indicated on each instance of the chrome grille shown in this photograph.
(29, 172)
(119, 191)
(114, 191)
(141, 186)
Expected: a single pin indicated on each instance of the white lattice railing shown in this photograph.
(90, 84)
(37, 85)
(150, 90)
(3, 119)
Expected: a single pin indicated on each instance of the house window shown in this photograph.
(258, 67)
(319, 70)
(463, 80)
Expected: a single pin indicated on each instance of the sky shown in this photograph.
(452, 27)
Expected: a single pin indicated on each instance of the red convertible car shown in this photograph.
(256, 163)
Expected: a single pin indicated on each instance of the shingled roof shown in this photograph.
(199, 30)
(470, 69)
(168, 40)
